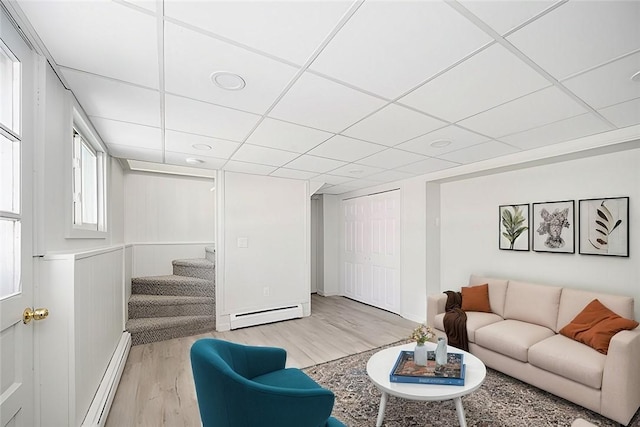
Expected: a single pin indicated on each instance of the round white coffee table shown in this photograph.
(380, 365)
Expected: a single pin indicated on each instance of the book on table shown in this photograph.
(406, 371)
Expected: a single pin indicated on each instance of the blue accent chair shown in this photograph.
(245, 386)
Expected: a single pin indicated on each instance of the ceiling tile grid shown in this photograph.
(350, 93)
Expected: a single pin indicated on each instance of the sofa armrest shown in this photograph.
(435, 305)
(621, 377)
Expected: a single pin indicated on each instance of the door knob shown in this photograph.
(30, 314)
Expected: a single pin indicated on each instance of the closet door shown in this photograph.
(371, 251)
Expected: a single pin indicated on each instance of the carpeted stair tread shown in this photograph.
(154, 329)
(172, 285)
(150, 323)
(194, 262)
(170, 278)
(143, 306)
(168, 299)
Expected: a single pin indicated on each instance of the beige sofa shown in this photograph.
(520, 338)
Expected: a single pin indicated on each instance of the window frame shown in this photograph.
(76, 229)
(11, 133)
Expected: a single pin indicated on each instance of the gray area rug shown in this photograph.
(501, 401)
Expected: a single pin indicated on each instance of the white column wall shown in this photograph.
(272, 215)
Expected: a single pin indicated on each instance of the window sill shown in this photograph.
(78, 233)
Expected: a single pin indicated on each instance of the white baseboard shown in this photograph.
(101, 404)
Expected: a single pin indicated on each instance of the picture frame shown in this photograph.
(514, 227)
(604, 226)
(553, 227)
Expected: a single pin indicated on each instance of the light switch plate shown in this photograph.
(243, 242)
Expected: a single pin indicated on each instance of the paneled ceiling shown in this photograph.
(349, 93)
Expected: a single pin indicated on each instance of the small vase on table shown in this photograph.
(441, 354)
(420, 354)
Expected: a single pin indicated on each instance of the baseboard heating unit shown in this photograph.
(99, 409)
(270, 315)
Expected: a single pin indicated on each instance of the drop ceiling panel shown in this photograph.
(392, 125)
(293, 174)
(502, 15)
(608, 85)
(267, 156)
(391, 159)
(537, 109)
(332, 179)
(477, 153)
(287, 136)
(314, 164)
(356, 170)
(98, 37)
(135, 153)
(111, 99)
(251, 168)
(150, 5)
(197, 145)
(489, 78)
(390, 176)
(123, 133)
(191, 58)
(427, 166)
(580, 34)
(459, 138)
(180, 159)
(344, 148)
(323, 104)
(564, 130)
(338, 189)
(205, 119)
(624, 114)
(389, 47)
(288, 29)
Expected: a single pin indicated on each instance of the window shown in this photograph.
(89, 177)
(10, 202)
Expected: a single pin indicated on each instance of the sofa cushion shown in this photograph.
(532, 303)
(570, 359)
(511, 337)
(476, 298)
(438, 321)
(572, 301)
(497, 291)
(477, 320)
(596, 325)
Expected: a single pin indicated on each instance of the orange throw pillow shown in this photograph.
(595, 325)
(476, 298)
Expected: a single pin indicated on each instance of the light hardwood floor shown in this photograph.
(157, 389)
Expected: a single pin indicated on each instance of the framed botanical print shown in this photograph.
(604, 226)
(514, 227)
(553, 227)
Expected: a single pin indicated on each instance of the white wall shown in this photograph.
(53, 171)
(273, 215)
(168, 208)
(469, 218)
(331, 244)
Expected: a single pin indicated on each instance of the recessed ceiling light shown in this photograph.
(228, 81)
(201, 147)
(356, 171)
(636, 77)
(194, 161)
(439, 143)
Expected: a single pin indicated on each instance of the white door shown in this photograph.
(17, 97)
(384, 249)
(371, 250)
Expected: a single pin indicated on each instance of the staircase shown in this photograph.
(177, 305)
